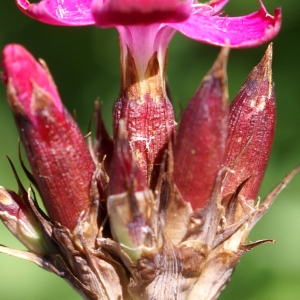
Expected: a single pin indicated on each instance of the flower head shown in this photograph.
(177, 208)
(147, 205)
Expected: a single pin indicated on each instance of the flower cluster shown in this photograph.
(156, 212)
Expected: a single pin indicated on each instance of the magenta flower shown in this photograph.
(199, 21)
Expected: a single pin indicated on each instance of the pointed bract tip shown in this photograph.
(219, 71)
(222, 59)
(266, 66)
(24, 76)
(103, 147)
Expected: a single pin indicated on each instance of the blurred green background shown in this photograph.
(85, 64)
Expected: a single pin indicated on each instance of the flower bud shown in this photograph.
(20, 221)
(103, 147)
(130, 204)
(251, 131)
(55, 148)
(201, 140)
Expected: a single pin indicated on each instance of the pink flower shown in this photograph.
(199, 21)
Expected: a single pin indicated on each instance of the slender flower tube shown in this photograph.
(59, 159)
(143, 103)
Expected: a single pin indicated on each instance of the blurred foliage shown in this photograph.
(85, 64)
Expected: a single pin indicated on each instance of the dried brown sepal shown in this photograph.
(269, 199)
(200, 144)
(22, 223)
(251, 130)
(223, 259)
(77, 259)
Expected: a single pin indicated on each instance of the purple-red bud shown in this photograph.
(54, 145)
(251, 131)
(201, 140)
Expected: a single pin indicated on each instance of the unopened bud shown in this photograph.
(201, 140)
(54, 145)
(251, 131)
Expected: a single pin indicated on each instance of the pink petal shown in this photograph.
(239, 32)
(140, 12)
(59, 12)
